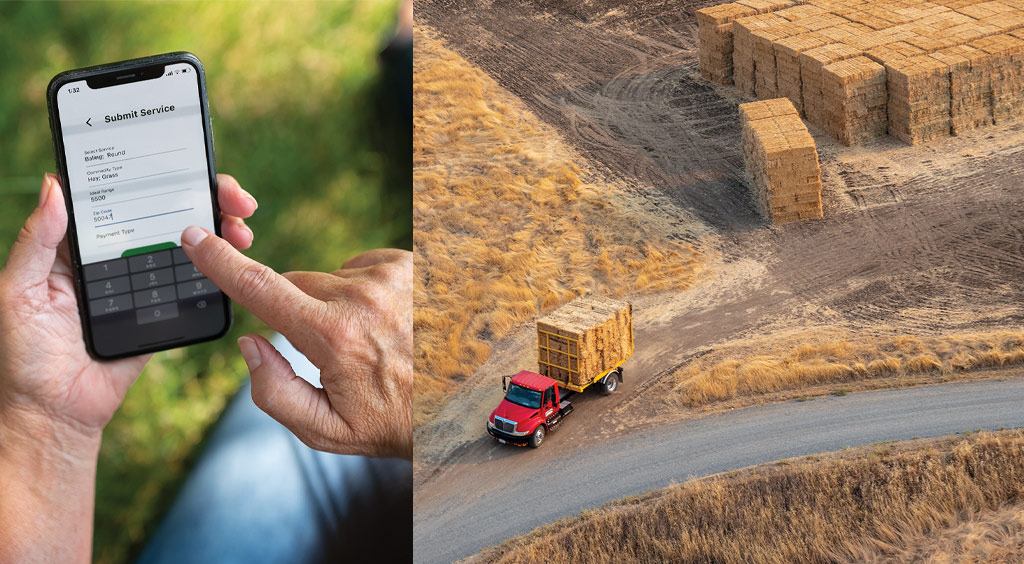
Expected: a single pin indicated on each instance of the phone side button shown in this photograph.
(114, 304)
(158, 313)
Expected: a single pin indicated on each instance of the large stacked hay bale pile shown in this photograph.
(584, 338)
(793, 48)
(781, 161)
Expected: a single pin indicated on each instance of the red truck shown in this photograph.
(579, 345)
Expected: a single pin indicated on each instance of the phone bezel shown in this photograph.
(146, 68)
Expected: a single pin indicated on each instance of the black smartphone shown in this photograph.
(134, 150)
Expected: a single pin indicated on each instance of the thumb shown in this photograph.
(295, 403)
(34, 251)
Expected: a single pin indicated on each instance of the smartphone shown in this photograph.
(134, 151)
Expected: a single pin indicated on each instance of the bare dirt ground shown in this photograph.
(915, 240)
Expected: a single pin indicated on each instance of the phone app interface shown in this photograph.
(138, 176)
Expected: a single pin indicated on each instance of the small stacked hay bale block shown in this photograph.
(781, 161)
(715, 35)
(586, 337)
(857, 89)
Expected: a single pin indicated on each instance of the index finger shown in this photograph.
(267, 294)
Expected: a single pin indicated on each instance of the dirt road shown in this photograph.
(510, 491)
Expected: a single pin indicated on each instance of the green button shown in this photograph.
(148, 249)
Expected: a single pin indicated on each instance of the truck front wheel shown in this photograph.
(610, 383)
(537, 437)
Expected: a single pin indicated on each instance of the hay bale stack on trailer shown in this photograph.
(584, 340)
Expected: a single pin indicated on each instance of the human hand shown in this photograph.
(354, 324)
(54, 398)
(45, 372)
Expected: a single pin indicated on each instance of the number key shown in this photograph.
(196, 288)
(153, 279)
(155, 296)
(108, 287)
(107, 269)
(149, 261)
(103, 306)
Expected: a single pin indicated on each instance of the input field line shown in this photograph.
(103, 203)
(131, 158)
(137, 178)
(139, 239)
(144, 217)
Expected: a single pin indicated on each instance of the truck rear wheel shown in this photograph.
(537, 437)
(610, 383)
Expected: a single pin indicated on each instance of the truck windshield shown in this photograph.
(523, 396)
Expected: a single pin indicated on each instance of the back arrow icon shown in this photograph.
(87, 122)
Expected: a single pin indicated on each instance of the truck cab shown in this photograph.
(533, 405)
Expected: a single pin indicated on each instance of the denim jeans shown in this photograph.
(258, 495)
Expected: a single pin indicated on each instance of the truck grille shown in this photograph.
(504, 425)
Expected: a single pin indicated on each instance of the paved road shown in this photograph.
(483, 503)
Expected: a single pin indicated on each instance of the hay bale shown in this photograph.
(812, 63)
(743, 48)
(787, 62)
(1005, 69)
(781, 161)
(583, 339)
(970, 87)
(918, 99)
(763, 41)
(855, 89)
(714, 32)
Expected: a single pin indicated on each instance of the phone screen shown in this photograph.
(138, 174)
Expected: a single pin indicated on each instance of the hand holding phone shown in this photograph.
(55, 399)
(45, 371)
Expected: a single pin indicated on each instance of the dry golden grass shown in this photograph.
(812, 358)
(988, 537)
(505, 225)
(872, 503)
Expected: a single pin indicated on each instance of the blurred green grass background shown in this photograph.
(301, 119)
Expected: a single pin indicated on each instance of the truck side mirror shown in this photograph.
(504, 383)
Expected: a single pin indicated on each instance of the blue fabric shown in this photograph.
(258, 495)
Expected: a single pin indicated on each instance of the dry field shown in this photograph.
(509, 224)
(944, 500)
(800, 361)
